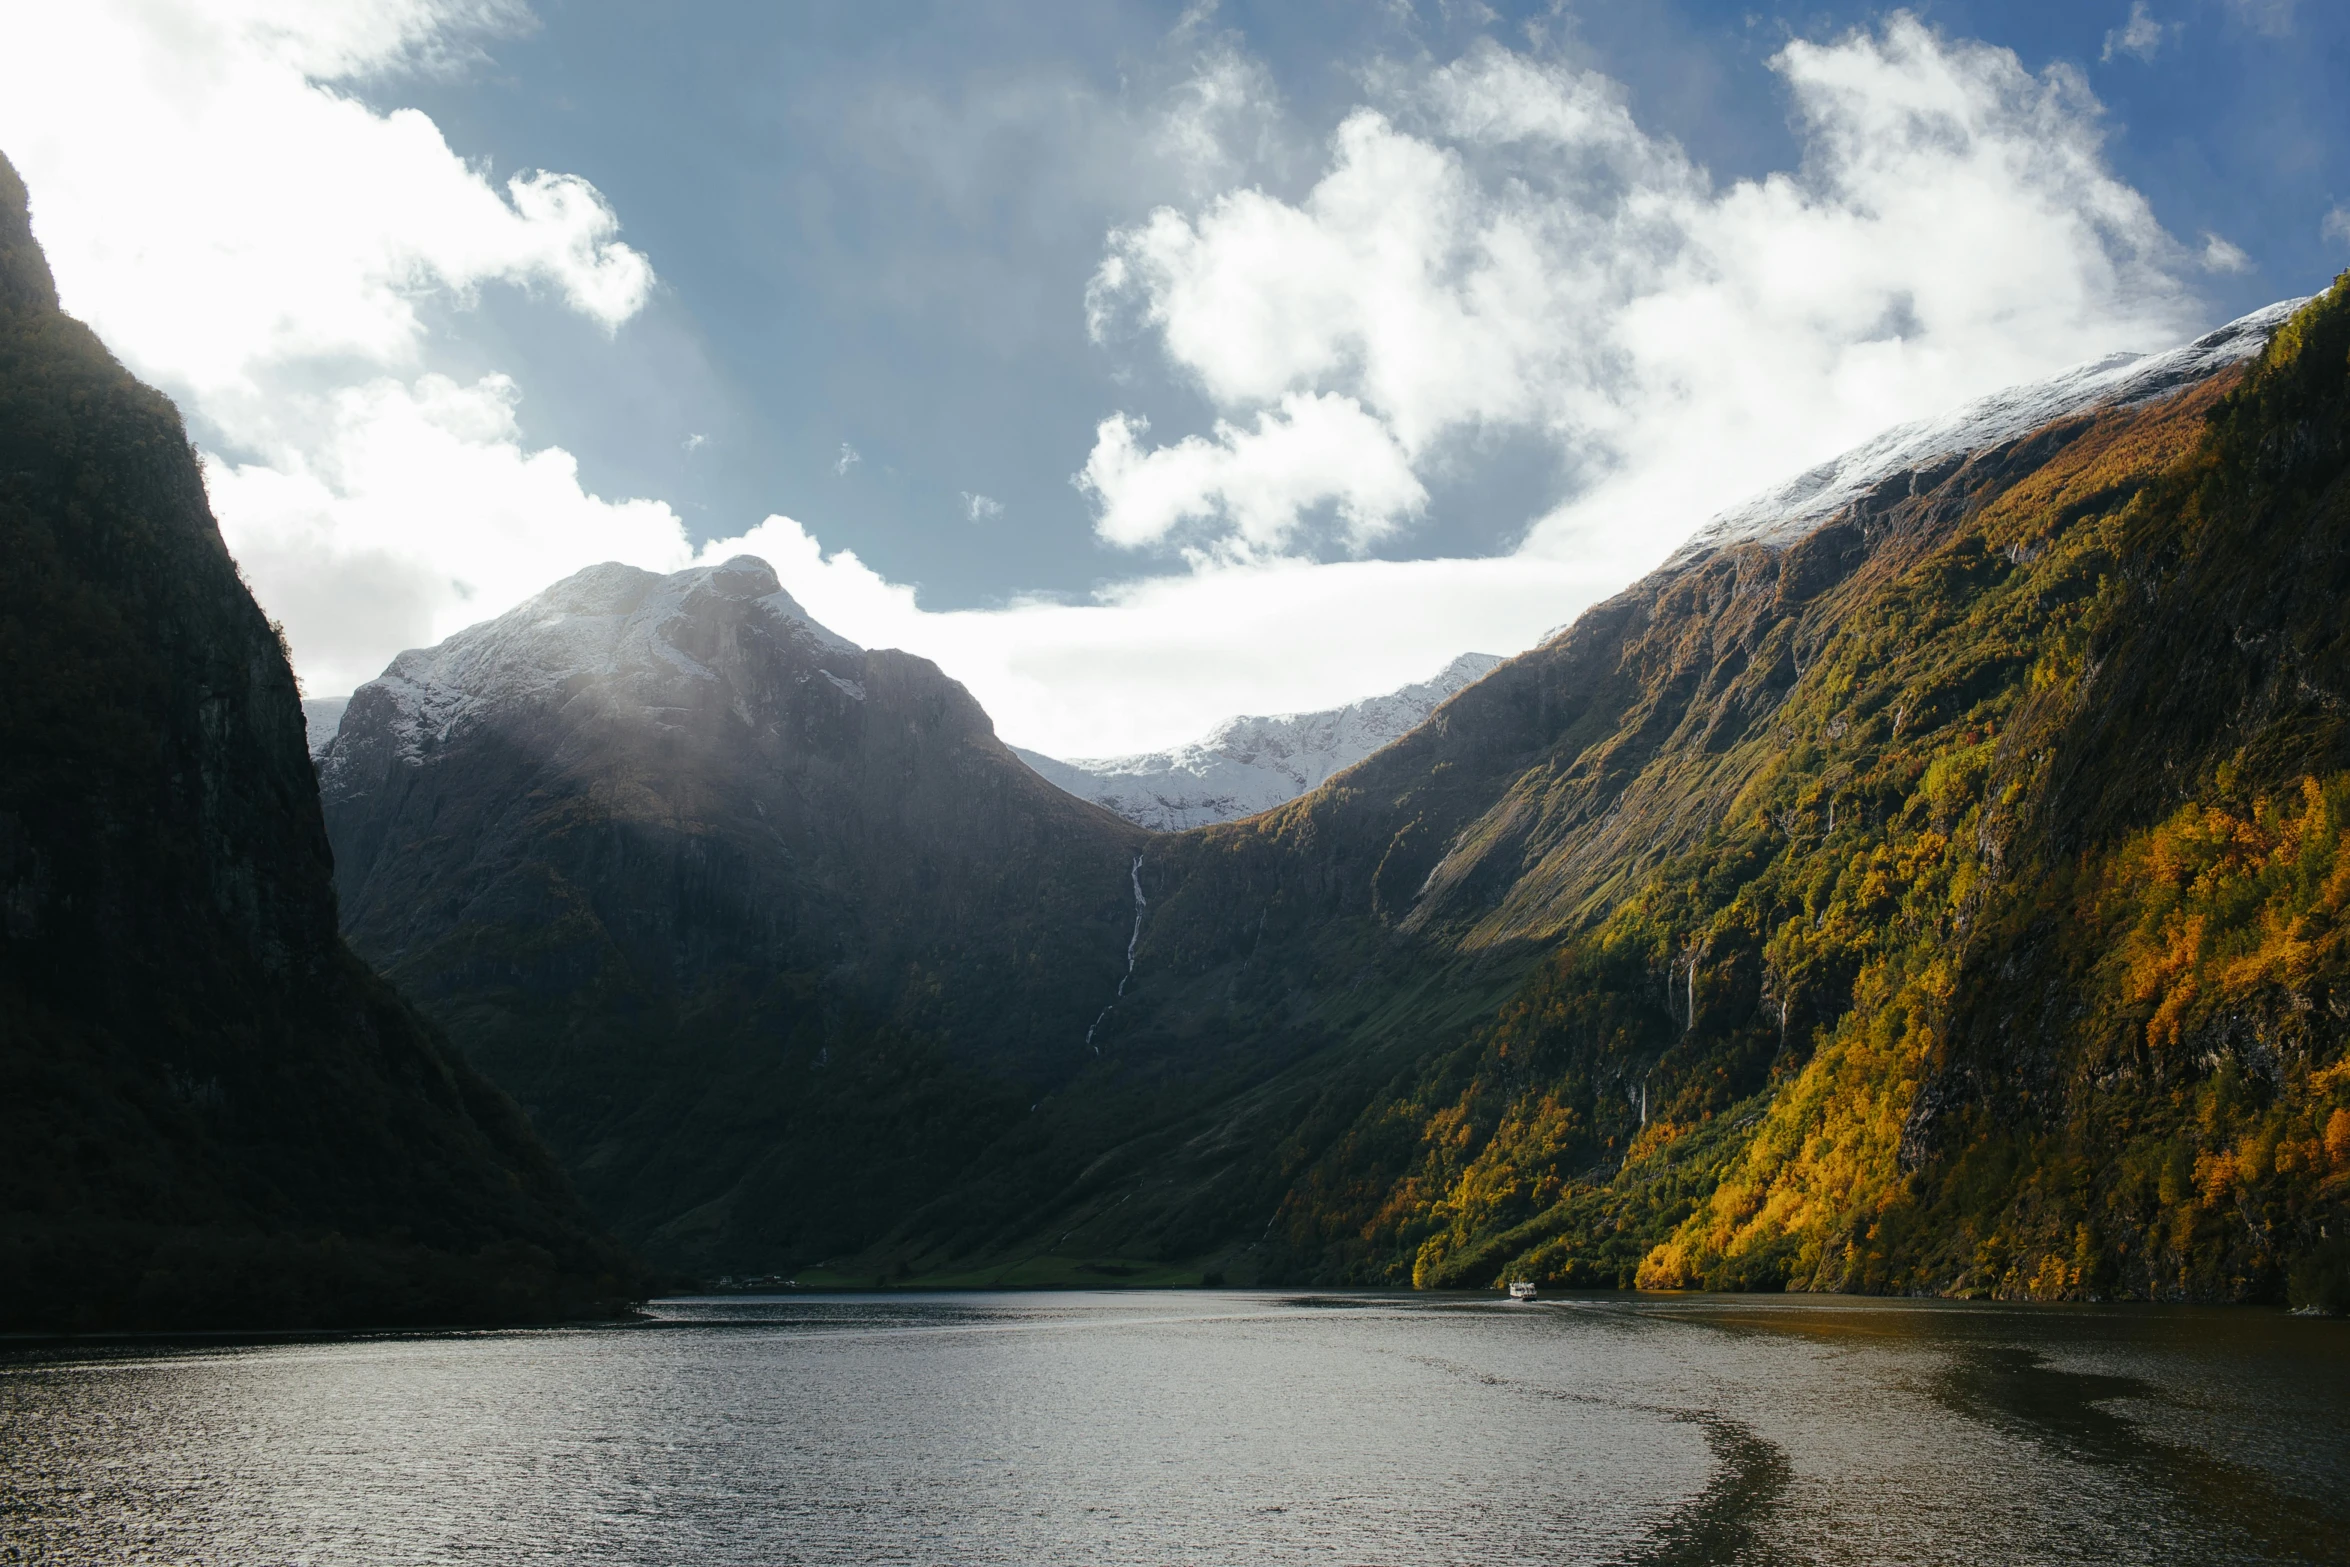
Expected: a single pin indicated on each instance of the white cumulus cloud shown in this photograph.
(1497, 246)
(253, 239)
(215, 211)
(1308, 450)
(417, 510)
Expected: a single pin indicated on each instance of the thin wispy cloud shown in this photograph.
(981, 508)
(2141, 37)
(2274, 18)
(849, 458)
(2220, 256)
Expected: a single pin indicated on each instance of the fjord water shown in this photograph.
(1212, 1427)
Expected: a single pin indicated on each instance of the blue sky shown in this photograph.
(874, 225)
(1372, 331)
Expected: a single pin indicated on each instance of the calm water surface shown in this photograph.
(1208, 1427)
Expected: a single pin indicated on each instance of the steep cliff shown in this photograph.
(1943, 895)
(211, 1113)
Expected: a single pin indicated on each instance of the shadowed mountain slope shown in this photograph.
(770, 933)
(211, 1113)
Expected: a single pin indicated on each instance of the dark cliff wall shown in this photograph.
(211, 1113)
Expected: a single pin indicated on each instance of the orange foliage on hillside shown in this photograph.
(2222, 903)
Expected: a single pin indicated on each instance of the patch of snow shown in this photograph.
(322, 716)
(1789, 512)
(854, 688)
(1247, 765)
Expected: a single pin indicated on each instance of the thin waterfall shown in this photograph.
(1133, 939)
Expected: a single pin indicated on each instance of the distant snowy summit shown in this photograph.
(615, 634)
(1247, 765)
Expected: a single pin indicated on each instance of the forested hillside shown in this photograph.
(1946, 901)
(2011, 958)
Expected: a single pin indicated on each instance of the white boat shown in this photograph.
(1522, 1289)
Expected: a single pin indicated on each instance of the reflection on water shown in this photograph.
(1214, 1427)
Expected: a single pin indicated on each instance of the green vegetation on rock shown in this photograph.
(2012, 962)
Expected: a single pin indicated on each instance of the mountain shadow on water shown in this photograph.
(212, 1115)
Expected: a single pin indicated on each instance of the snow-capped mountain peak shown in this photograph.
(612, 627)
(1251, 764)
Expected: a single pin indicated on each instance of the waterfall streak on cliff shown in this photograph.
(1132, 940)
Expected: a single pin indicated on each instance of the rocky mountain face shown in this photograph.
(1928, 880)
(211, 1113)
(769, 933)
(1246, 765)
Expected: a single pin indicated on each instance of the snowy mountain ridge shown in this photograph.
(1251, 764)
(322, 716)
(608, 627)
(1787, 512)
